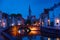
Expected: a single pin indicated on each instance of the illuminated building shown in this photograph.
(29, 17)
(33, 19)
(57, 22)
(12, 19)
(0, 18)
(30, 13)
(4, 23)
(5, 20)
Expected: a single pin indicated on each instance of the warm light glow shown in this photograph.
(49, 39)
(14, 31)
(57, 20)
(49, 21)
(57, 38)
(33, 33)
(19, 24)
(39, 23)
(36, 24)
(19, 31)
(33, 28)
(3, 24)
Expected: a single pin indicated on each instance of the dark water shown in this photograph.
(39, 38)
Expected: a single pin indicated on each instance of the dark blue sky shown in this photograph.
(21, 6)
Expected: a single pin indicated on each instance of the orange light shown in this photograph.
(33, 33)
(14, 31)
(34, 30)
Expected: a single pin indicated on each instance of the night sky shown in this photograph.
(22, 6)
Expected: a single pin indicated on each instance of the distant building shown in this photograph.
(12, 19)
(33, 19)
(4, 22)
(0, 18)
(28, 21)
(30, 13)
(20, 21)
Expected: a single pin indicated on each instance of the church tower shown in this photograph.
(29, 12)
(29, 16)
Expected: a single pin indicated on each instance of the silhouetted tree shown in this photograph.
(5, 15)
(19, 15)
(28, 21)
(13, 15)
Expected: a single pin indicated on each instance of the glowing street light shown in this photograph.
(19, 31)
(48, 21)
(19, 24)
(34, 30)
(57, 20)
(12, 24)
(3, 24)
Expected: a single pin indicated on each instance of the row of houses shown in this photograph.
(10, 20)
(17, 19)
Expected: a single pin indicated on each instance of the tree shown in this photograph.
(13, 18)
(5, 15)
(19, 15)
(13, 15)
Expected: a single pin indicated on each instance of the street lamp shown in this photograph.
(57, 22)
(3, 24)
(12, 24)
(19, 24)
(48, 22)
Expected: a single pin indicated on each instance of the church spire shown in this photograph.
(29, 11)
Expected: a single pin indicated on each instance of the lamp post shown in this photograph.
(48, 22)
(57, 22)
